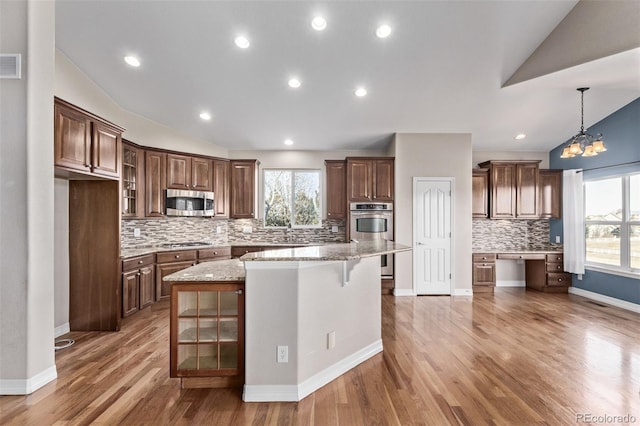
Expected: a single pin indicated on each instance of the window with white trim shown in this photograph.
(612, 223)
(292, 198)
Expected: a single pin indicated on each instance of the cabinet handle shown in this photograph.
(177, 256)
(520, 257)
(246, 251)
(560, 280)
(138, 274)
(328, 214)
(193, 264)
(238, 291)
(215, 252)
(140, 262)
(484, 258)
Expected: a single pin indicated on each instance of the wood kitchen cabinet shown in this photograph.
(547, 274)
(132, 180)
(242, 193)
(167, 263)
(85, 143)
(370, 179)
(138, 283)
(484, 272)
(207, 332)
(514, 192)
(480, 193)
(221, 183)
(214, 253)
(155, 182)
(188, 172)
(550, 194)
(336, 189)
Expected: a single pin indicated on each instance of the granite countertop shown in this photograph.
(329, 252)
(217, 270)
(551, 248)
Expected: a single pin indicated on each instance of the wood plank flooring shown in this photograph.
(519, 357)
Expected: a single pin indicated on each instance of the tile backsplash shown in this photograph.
(188, 229)
(505, 234)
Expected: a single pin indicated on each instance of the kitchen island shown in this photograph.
(310, 313)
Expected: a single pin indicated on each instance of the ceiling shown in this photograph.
(442, 69)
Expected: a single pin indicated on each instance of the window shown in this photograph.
(612, 223)
(292, 198)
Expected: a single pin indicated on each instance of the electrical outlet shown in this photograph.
(136, 232)
(579, 277)
(557, 238)
(331, 340)
(334, 229)
(283, 354)
(247, 230)
(218, 229)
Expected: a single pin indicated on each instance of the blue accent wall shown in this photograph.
(621, 135)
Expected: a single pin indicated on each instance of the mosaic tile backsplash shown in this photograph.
(188, 229)
(504, 234)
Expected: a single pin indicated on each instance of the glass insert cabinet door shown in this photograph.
(207, 330)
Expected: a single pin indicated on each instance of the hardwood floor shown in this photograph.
(519, 357)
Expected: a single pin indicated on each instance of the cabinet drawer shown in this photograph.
(176, 256)
(559, 280)
(484, 257)
(214, 253)
(523, 256)
(555, 267)
(137, 262)
(242, 250)
(555, 257)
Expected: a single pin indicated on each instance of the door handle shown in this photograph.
(419, 243)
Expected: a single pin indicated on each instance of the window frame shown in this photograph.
(625, 225)
(293, 211)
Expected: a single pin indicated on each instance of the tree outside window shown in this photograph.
(292, 198)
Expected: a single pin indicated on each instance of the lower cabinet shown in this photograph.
(484, 272)
(207, 332)
(138, 284)
(548, 275)
(169, 262)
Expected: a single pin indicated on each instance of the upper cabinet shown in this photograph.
(370, 179)
(242, 193)
(85, 143)
(155, 182)
(189, 173)
(221, 188)
(132, 180)
(336, 187)
(480, 193)
(550, 194)
(514, 189)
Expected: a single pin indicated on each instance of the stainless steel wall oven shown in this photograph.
(373, 221)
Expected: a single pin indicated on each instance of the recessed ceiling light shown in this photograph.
(242, 42)
(319, 23)
(205, 115)
(360, 92)
(520, 136)
(132, 60)
(383, 31)
(288, 142)
(294, 82)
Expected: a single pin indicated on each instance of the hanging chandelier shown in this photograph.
(583, 143)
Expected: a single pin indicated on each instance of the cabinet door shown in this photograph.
(106, 150)
(155, 181)
(336, 188)
(163, 289)
(503, 194)
(147, 285)
(72, 139)
(242, 189)
(480, 189)
(527, 191)
(132, 175)
(359, 180)
(130, 292)
(221, 188)
(551, 194)
(178, 171)
(201, 174)
(382, 172)
(484, 274)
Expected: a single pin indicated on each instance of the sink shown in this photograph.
(185, 244)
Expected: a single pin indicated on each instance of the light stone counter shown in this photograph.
(214, 271)
(329, 252)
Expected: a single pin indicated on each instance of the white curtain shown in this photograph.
(573, 221)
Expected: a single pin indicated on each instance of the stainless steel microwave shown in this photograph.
(179, 202)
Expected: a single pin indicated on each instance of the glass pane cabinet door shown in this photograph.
(129, 181)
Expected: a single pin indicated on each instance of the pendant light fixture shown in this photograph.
(583, 143)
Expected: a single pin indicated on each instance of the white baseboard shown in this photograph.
(294, 393)
(403, 292)
(27, 386)
(61, 329)
(510, 283)
(463, 292)
(618, 303)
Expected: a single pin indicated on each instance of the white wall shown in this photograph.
(26, 217)
(61, 253)
(433, 155)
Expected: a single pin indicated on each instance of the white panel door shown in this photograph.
(432, 236)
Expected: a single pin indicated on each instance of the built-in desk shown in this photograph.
(544, 270)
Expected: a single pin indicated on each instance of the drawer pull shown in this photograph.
(238, 291)
(177, 256)
(140, 262)
(484, 258)
(520, 257)
(215, 252)
(559, 280)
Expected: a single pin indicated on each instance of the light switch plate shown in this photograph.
(218, 229)
(247, 230)
(557, 238)
(136, 232)
(334, 229)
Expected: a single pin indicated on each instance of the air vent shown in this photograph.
(10, 65)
